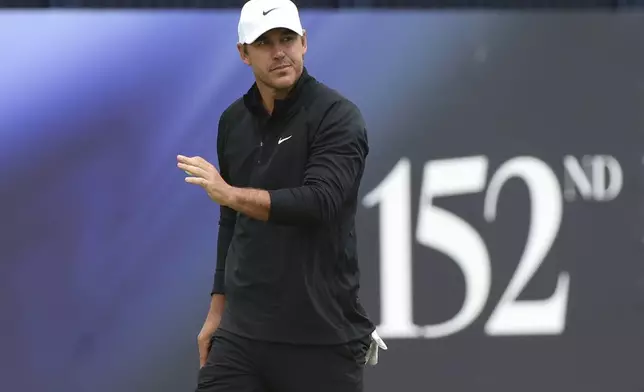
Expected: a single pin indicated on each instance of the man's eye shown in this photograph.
(288, 38)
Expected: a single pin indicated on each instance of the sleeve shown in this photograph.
(227, 217)
(334, 170)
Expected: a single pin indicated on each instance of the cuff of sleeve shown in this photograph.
(218, 285)
(281, 199)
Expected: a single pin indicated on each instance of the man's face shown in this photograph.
(276, 57)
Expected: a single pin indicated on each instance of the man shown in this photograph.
(285, 314)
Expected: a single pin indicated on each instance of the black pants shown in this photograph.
(237, 364)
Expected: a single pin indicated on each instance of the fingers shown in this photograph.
(194, 161)
(185, 159)
(201, 170)
(192, 170)
(203, 357)
(196, 180)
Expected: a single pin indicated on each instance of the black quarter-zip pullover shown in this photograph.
(294, 278)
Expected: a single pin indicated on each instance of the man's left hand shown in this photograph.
(206, 175)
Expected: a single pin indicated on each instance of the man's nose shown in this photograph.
(278, 51)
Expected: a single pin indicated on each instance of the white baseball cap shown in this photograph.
(259, 16)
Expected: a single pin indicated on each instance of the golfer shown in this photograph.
(285, 314)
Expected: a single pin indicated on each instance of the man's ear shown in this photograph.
(243, 53)
(304, 41)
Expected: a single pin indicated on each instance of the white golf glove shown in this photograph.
(372, 353)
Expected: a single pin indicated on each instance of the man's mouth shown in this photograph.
(283, 66)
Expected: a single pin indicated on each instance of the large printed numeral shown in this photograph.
(393, 196)
(537, 317)
(451, 235)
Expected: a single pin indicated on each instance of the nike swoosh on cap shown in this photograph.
(266, 12)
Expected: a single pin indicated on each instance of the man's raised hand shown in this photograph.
(203, 173)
